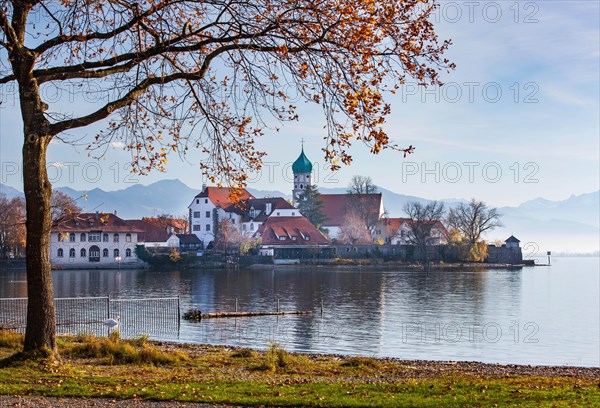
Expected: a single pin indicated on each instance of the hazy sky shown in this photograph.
(517, 119)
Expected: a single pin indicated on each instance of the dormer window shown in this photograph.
(307, 237)
(293, 238)
(282, 238)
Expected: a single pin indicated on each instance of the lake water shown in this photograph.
(541, 315)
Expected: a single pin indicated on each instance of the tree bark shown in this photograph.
(41, 327)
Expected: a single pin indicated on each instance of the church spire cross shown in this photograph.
(302, 142)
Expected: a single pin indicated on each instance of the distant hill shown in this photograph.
(9, 192)
(570, 225)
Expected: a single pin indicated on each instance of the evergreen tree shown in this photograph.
(311, 206)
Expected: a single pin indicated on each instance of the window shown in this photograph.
(208, 227)
(232, 220)
(82, 237)
(71, 237)
(196, 227)
(197, 201)
(72, 253)
(116, 252)
(378, 232)
(293, 213)
(94, 237)
(128, 252)
(295, 185)
(95, 254)
(83, 253)
(105, 253)
(278, 213)
(104, 238)
(196, 214)
(206, 201)
(115, 237)
(307, 237)
(301, 185)
(60, 253)
(128, 237)
(243, 227)
(208, 214)
(293, 238)
(251, 227)
(282, 238)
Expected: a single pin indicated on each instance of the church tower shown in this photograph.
(302, 169)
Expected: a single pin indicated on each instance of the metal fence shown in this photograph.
(156, 317)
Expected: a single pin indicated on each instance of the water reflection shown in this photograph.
(535, 315)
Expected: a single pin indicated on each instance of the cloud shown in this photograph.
(117, 145)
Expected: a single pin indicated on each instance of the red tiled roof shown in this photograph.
(290, 227)
(277, 203)
(163, 222)
(86, 222)
(221, 197)
(260, 204)
(393, 225)
(335, 206)
(150, 232)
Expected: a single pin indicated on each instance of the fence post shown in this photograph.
(108, 307)
(178, 315)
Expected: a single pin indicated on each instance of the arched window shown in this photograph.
(83, 253)
(115, 237)
(104, 237)
(71, 237)
(82, 237)
(105, 252)
(128, 252)
(60, 253)
(72, 253)
(301, 186)
(128, 237)
(94, 254)
(251, 227)
(116, 253)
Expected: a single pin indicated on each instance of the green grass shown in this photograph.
(117, 368)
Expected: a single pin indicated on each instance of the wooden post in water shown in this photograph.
(236, 304)
(321, 307)
(277, 304)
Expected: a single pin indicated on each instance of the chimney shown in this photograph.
(203, 187)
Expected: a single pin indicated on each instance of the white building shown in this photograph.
(212, 205)
(93, 239)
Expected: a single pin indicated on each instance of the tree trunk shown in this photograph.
(41, 327)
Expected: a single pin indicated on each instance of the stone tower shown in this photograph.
(302, 169)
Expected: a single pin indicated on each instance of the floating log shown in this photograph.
(197, 315)
(250, 314)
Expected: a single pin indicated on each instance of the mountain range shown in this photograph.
(570, 225)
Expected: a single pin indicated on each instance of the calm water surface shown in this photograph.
(541, 315)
